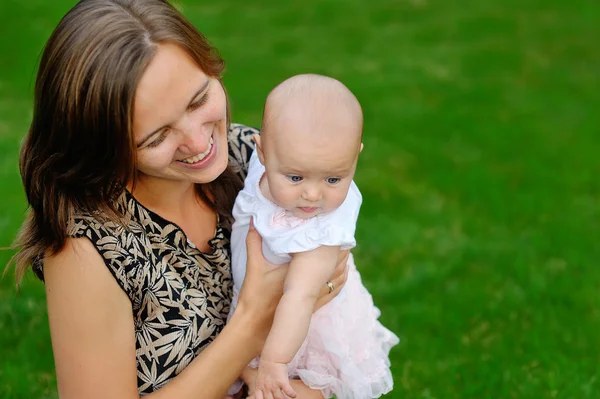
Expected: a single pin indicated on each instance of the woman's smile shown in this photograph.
(203, 159)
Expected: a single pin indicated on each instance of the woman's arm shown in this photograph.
(91, 326)
(220, 364)
(92, 329)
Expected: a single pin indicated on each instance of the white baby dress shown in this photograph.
(346, 350)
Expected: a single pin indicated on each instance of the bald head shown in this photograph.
(313, 104)
(312, 130)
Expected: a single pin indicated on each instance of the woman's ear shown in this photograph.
(259, 149)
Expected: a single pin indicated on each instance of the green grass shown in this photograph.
(480, 232)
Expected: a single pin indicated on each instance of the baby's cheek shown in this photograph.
(336, 200)
(290, 199)
(280, 194)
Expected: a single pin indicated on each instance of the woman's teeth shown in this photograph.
(200, 157)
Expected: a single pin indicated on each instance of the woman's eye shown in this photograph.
(294, 178)
(199, 103)
(159, 140)
(333, 180)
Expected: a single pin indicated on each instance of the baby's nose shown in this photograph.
(312, 194)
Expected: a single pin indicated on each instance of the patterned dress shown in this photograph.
(180, 296)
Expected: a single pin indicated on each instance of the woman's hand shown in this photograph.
(338, 280)
(249, 377)
(238, 395)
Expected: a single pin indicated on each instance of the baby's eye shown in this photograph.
(333, 180)
(294, 178)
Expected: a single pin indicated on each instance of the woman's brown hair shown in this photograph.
(79, 153)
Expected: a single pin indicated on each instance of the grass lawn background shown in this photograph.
(479, 234)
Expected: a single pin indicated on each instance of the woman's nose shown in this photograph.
(196, 137)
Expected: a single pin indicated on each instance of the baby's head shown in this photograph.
(310, 141)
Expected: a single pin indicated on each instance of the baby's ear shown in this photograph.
(259, 150)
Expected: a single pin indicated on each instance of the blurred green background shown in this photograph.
(480, 232)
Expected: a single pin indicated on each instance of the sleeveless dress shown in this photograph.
(180, 296)
(346, 350)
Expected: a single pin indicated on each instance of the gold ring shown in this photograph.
(330, 286)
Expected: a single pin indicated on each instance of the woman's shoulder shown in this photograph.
(91, 225)
(121, 245)
(241, 147)
(121, 228)
(76, 252)
(83, 257)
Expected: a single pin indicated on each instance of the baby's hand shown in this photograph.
(272, 379)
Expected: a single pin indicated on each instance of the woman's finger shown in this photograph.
(346, 255)
(342, 261)
(346, 271)
(340, 276)
(338, 280)
(326, 295)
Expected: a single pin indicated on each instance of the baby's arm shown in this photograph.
(308, 273)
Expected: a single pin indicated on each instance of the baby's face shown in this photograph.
(310, 174)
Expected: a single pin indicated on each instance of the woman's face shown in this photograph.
(179, 120)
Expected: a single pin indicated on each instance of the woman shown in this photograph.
(131, 168)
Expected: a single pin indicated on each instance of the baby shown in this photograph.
(301, 198)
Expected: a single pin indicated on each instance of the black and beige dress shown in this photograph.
(180, 296)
